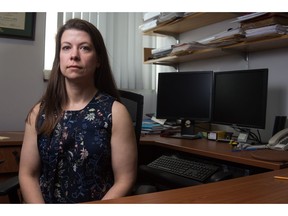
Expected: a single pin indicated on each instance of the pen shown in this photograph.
(281, 177)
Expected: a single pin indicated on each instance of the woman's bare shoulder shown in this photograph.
(118, 108)
(33, 112)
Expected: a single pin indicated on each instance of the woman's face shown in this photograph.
(78, 58)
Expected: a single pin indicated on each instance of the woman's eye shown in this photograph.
(65, 47)
(85, 48)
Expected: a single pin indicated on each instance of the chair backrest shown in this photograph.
(10, 188)
(134, 103)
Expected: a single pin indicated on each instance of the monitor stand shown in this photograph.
(187, 130)
(180, 136)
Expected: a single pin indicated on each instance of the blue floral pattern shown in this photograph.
(76, 158)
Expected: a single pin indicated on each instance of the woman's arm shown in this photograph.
(124, 152)
(29, 169)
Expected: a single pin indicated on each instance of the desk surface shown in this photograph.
(259, 188)
(13, 138)
(216, 150)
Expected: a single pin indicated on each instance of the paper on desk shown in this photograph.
(160, 121)
(4, 138)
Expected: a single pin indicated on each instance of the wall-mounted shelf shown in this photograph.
(197, 20)
(246, 46)
(280, 41)
(189, 22)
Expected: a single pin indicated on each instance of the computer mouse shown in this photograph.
(220, 175)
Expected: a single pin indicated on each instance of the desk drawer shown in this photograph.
(10, 156)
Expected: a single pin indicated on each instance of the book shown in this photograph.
(152, 126)
(146, 132)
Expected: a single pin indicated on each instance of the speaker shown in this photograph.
(279, 124)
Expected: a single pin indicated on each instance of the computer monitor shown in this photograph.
(185, 96)
(240, 98)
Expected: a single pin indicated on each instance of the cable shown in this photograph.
(251, 135)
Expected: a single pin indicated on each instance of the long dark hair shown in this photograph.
(56, 96)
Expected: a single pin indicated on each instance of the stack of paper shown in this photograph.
(150, 126)
(164, 16)
(248, 16)
(267, 31)
(148, 25)
(186, 48)
(150, 16)
(228, 37)
(161, 52)
(152, 19)
(4, 138)
(257, 20)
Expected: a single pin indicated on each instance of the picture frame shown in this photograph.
(18, 25)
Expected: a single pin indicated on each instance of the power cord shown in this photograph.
(251, 135)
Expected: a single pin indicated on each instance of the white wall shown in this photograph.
(275, 60)
(21, 79)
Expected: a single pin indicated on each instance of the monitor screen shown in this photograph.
(185, 95)
(240, 98)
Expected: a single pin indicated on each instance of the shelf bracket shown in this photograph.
(245, 55)
(174, 35)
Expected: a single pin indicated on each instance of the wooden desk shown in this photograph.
(15, 138)
(9, 155)
(259, 188)
(10, 151)
(212, 149)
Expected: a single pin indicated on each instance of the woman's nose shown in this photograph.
(75, 55)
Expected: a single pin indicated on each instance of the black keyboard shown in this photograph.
(187, 168)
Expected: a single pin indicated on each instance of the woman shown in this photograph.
(79, 142)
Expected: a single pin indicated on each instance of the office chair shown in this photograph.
(10, 188)
(134, 103)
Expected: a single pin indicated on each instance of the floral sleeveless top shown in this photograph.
(76, 158)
